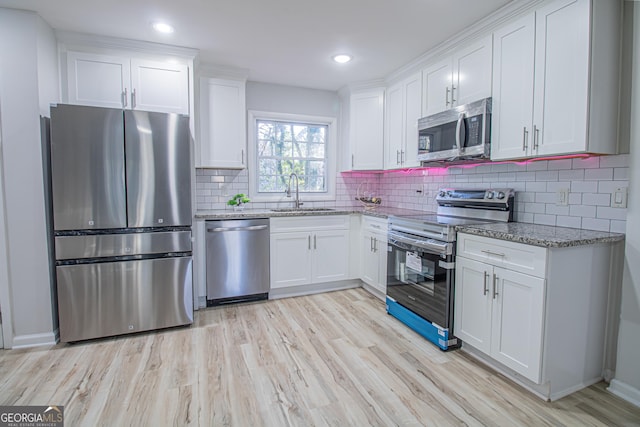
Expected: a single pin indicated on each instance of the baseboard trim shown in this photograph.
(625, 391)
(35, 340)
(317, 288)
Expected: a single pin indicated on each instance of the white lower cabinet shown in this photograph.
(309, 250)
(536, 314)
(499, 312)
(373, 253)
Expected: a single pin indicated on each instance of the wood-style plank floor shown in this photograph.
(330, 359)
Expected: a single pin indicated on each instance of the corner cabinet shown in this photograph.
(459, 79)
(307, 250)
(373, 253)
(555, 81)
(127, 82)
(366, 138)
(520, 309)
(223, 124)
(403, 108)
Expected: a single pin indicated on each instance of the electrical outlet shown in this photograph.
(619, 198)
(562, 197)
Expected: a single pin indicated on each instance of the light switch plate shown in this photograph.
(562, 197)
(619, 198)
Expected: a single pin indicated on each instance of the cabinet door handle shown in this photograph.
(315, 246)
(309, 241)
(452, 99)
(352, 161)
(242, 156)
(402, 157)
(133, 98)
(397, 157)
(371, 244)
(495, 285)
(536, 137)
(375, 245)
(447, 96)
(525, 139)
(124, 98)
(485, 288)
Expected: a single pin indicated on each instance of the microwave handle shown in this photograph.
(460, 140)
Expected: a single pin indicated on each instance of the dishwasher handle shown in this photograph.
(249, 228)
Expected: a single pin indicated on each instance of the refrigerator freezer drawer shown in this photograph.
(109, 245)
(114, 298)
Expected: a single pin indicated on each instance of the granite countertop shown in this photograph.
(531, 234)
(378, 212)
(541, 235)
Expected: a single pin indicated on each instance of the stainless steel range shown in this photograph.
(421, 258)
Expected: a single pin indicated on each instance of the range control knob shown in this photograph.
(489, 195)
(442, 194)
(500, 195)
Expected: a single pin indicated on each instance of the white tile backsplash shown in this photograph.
(591, 182)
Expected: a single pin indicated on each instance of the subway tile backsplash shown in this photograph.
(591, 183)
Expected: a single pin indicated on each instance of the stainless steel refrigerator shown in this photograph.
(121, 194)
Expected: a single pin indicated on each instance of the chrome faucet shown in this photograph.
(297, 202)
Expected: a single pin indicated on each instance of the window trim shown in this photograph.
(331, 150)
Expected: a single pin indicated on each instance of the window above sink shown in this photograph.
(280, 144)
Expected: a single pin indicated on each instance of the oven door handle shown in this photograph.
(426, 234)
(428, 245)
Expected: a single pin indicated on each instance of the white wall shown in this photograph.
(26, 290)
(290, 99)
(627, 376)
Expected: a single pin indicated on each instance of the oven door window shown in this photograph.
(417, 281)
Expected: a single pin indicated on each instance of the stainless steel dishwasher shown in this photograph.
(237, 261)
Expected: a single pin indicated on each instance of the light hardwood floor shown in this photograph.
(329, 359)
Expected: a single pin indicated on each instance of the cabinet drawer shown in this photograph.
(513, 256)
(374, 225)
(306, 223)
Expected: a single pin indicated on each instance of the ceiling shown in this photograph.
(287, 42)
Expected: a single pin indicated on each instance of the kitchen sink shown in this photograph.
(302, 210)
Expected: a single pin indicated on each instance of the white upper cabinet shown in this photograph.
(125, 82)
(436, 84)
(98, 80)
(366, 136)
(459, 79)
(561, 77)
(223, 124)
(472, 73)
(513, 89)
(403, 109)
(552, 92)
(159, 86)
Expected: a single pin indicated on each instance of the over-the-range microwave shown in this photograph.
(463, 132)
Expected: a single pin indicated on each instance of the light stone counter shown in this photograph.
(541, 235)
(379, 212)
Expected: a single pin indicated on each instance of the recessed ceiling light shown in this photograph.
(162, 27)
(342, 58)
